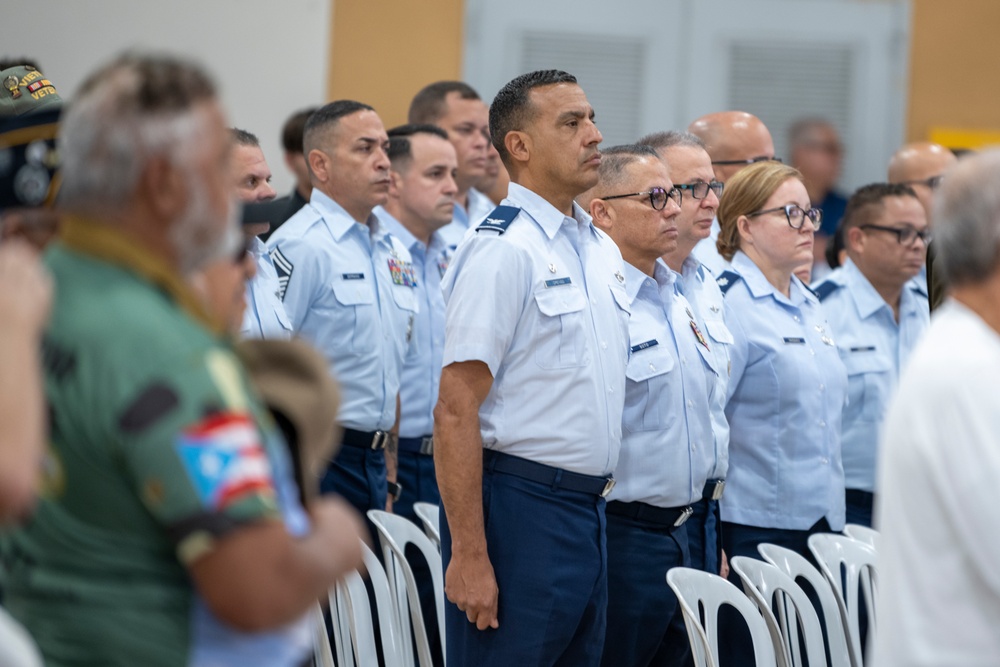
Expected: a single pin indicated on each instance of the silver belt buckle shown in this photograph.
(380, 439)
(720, 486)
(685, 515)
(427, 446)
(610, 484)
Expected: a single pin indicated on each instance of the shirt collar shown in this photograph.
(866, 298)
(759, 286)
(635, 280)
(108, 244)
(542, 212)
(338, 220)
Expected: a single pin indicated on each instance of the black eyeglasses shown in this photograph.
(700, 190)
(905, 235)
(796, 215)
(753, 160)
(931, 182)
(657, 197)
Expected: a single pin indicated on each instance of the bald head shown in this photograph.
(734, 136)
(918, 165)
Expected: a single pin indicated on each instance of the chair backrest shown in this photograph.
(17, 648)
(847, 565)
(430, 516)
(831, 605)
(395, 532)
(774, 591)
(350, 597)
(700, 595)
(869, 536)
(322, 656)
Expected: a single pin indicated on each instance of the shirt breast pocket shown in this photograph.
(561, 340)
(868, 383)
(648, 372)
(355, 305)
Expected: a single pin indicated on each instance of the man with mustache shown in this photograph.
(528, 422)
(349, 288)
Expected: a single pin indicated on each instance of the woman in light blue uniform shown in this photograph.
(787, 384)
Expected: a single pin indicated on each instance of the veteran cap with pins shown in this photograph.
(25, 90)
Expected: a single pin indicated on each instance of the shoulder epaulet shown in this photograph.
(727, 279)
(283, 268)
(825, 289)
(499, 220)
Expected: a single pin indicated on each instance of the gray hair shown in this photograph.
(966, 217)
(670, 139)
(136, 107)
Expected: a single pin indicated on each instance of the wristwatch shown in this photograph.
(395, 491)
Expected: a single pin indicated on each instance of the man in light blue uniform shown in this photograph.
(528, 423)
(349, 288)
(265, 315)
(456, 107)
(734, 140)
(666, 429)
(691, 171)
(877, 313)
(421, 197)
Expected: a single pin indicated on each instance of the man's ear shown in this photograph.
(602, 214)
(319, 165)
(854, 241)
(395, 184)
(165, 188)
(518, 145)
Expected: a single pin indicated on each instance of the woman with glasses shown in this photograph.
(787, 383)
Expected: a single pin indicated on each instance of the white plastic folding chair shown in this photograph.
(395, 532)
(700, 595)
(350, 597)
(17, 648)
(430, 516)
(847, 565)
(832, 606)
(869, 536)
(322, 655)
(774, 591)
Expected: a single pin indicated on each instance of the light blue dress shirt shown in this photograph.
(667, 443)
(874, 348)
(265, 315)
(348, 288)
(421, 376)
(786, 394)
(698, 286)
(544, 306)
(479, 207)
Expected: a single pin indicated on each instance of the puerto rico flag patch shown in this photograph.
(225, 460)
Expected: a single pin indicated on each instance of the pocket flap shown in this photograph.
(649, 362)
(554, 301)
(353, 292)
(864, 359)
(718, 330)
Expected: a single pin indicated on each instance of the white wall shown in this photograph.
(269, 57)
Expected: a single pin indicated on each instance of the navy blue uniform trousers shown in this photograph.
(703, 536)
(645, 624)
(548, 551)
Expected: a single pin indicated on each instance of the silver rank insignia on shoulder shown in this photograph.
(552, 268)
(723, 281)
(619, 276)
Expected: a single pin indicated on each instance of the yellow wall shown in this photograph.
(384, 51)
(954, 66)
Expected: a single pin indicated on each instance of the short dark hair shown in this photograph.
(293, 129)
(400, 149)
(511, 108)
(866, 204)
(671, 138)
(244, 137)
(428, 104)
(326, 117)
(614, 161)
(834, 245)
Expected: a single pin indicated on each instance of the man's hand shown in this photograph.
(341, 528)
(471, 585)
(724, 566)
(27, 289)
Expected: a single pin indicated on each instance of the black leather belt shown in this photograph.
(424, 445)
(365, 439)
(672, 517)
(557, 478)
(713, 489)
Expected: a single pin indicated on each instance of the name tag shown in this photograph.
(352, 276)
(557, 281)
(643, 346)
(795, 341)
(865, 348)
